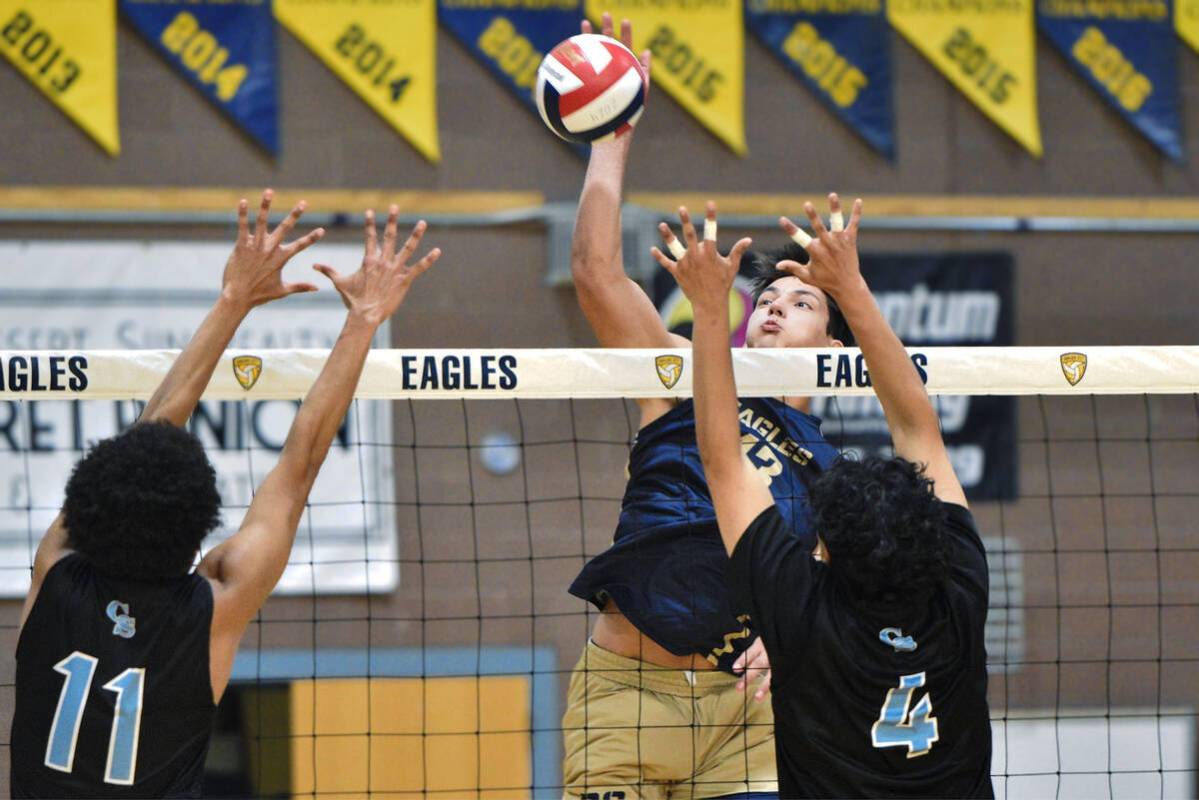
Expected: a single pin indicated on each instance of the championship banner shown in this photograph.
(956, 300)
(1186, 21)
(986, 48)
(1126, 50)
(68, 50)
(510, 37)
(842, 50)
(385, 50)
(698, 49)
(225, 49)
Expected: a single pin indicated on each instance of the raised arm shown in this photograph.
(738, 492)
(618, 309)
(833, 266)
(251, 278)
(245, 568)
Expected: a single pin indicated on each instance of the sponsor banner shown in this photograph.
(1186, 21)
(842, 50)
(510, 37)
(94, 306)
(384, 50)
(953, 300)
(985, 49)
(68, 50)
(698, 49)
(1126, 50)
(225, 49)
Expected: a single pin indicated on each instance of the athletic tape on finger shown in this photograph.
(676, 249)
(801, 238)
(709, 230)
(836, 221)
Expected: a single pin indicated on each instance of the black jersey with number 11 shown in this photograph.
(882, 702)
(113, 695)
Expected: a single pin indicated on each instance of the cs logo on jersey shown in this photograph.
(895, 638)
(125, 625)
(1074, 366)
(247, 370)
(670, 369)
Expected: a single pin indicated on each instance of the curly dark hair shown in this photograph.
(883, 527)
(766, 273)
(139, 503)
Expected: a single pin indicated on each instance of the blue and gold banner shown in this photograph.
(842, 50)
(1126, 50)
(225, 48)
(510, 37)
(1186, 21)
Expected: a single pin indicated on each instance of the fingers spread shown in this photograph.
(289, 222)
(672, 244)
(243, 220)
(836, 218)
(264, 212)
(370, 234)
(412, 242)
(797, 234)
(855, 216)
(739, 250)
(328, 272)
(298, 288)
(428, 261)
(389, 232)
(304, 242)
(688, 228)
(666, 263)
(813, 217)
(710, 223)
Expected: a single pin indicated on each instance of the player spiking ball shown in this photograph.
(123, 652)
(877, 653)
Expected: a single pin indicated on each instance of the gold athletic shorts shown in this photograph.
(635, 730)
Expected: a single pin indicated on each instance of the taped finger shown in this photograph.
(836, 221)
(801, 238)
(709, 229)
(676, 249)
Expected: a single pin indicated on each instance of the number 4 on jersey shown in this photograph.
(897, 726)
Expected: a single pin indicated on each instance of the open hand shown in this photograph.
(253, 273)
(379, 286)
(626, 38)
(704, 275)
(833, 252)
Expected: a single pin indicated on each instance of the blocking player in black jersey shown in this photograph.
(879, 667)
(124, 651)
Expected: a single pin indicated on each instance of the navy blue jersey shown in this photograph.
(666, 566)
(113, 695)
(884, 701)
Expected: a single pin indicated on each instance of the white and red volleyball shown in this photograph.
(590, 88)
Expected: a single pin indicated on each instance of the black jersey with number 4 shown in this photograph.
(113, 696)
(871, 703)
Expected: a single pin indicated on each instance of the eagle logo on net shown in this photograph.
(1074, 367)
(247, 370)
(670, 369)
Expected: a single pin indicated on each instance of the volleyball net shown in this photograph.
(421, 641)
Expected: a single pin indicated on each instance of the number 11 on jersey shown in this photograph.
(897, 726)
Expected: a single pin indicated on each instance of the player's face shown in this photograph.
(789, 313)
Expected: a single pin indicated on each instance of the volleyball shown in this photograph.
(590, 88)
